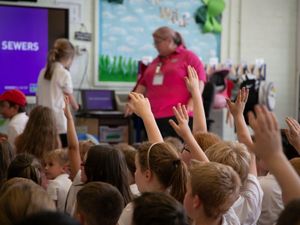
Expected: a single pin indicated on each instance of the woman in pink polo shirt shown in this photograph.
(163, 81)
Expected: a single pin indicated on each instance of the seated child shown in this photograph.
(99, 203)
(212, 188)
(12, 105)
(56, 163)
(156, 208)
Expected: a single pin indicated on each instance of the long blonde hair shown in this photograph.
(40, 134)
(62, 49)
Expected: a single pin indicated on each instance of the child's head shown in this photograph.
(40, 134)
(27, 166)
(107, 164)
(6, 156)
(12, 102)
(233, 154)
(62, 51)
(206, 139)
(161, 162)
(84, 147)
(56, 162)
(129, 153)
(175, 142)
(99, 203)
(154, 208)
(23, 199)
(212, 188)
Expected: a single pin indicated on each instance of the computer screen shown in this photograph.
(98, 100)
(26, 35)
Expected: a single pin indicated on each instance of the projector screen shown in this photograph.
(26, 34)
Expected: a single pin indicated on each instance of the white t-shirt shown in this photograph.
(50, 93)
(58, 190)
(272, 204)
(248, 206)
(229, 218)
(16, 127)
(72, 195)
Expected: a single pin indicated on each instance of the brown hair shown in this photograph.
(206, 139)
(6, 156)
(216, 185)
(22, 199)
(101, 203)
(233, 154)
(163, 160)
(167, 32)
(175, 142)
(40, 134)
(129, 153)
(84, 147)
(62, 49)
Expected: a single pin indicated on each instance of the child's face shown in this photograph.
(139, 176)
(6, 110)
(53, 169)
(188, 199)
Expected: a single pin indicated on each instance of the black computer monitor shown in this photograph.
(98, 100)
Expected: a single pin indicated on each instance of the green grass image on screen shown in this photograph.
(117, 69)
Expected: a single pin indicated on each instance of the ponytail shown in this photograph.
(178, 39)
(178, 180)
(52, 57)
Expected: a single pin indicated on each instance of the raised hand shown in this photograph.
(266, 132)
(139, 104)
(192, 81)
(182, 117)
(67, 110)
(293, 132)
(237, 107)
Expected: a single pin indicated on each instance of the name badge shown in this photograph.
(158, 79)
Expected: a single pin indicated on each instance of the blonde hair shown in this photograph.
(164, 161)
(233, 154)
(216, 185)
(60, 155)
(84, 147)
(22, 199)
(62, 49)
(206, 139)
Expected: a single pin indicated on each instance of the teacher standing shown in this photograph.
(163, 80)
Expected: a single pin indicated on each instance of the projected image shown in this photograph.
(24, 46)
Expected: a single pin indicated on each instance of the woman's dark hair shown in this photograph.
(62, 49)
(27, 166)
(107, 164)
(158, 209)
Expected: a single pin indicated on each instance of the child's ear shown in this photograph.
(196, 202)
(148, 174)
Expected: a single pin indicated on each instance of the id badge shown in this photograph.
(158, 79)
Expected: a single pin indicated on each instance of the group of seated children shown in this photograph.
(202, 180)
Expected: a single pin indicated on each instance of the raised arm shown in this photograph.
(138, 89)
(184, 131)
(268, 147)
(140, 105)
(73, 145)
(193, 85)
(293, 133)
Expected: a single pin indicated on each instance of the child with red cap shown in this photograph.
(12, 107)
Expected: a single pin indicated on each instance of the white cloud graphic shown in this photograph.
(125, 49)
(129, 19)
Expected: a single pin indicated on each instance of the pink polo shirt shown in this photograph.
(173, 89)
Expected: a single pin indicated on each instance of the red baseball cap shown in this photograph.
(14, 96)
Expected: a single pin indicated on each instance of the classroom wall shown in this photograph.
(251, 29)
